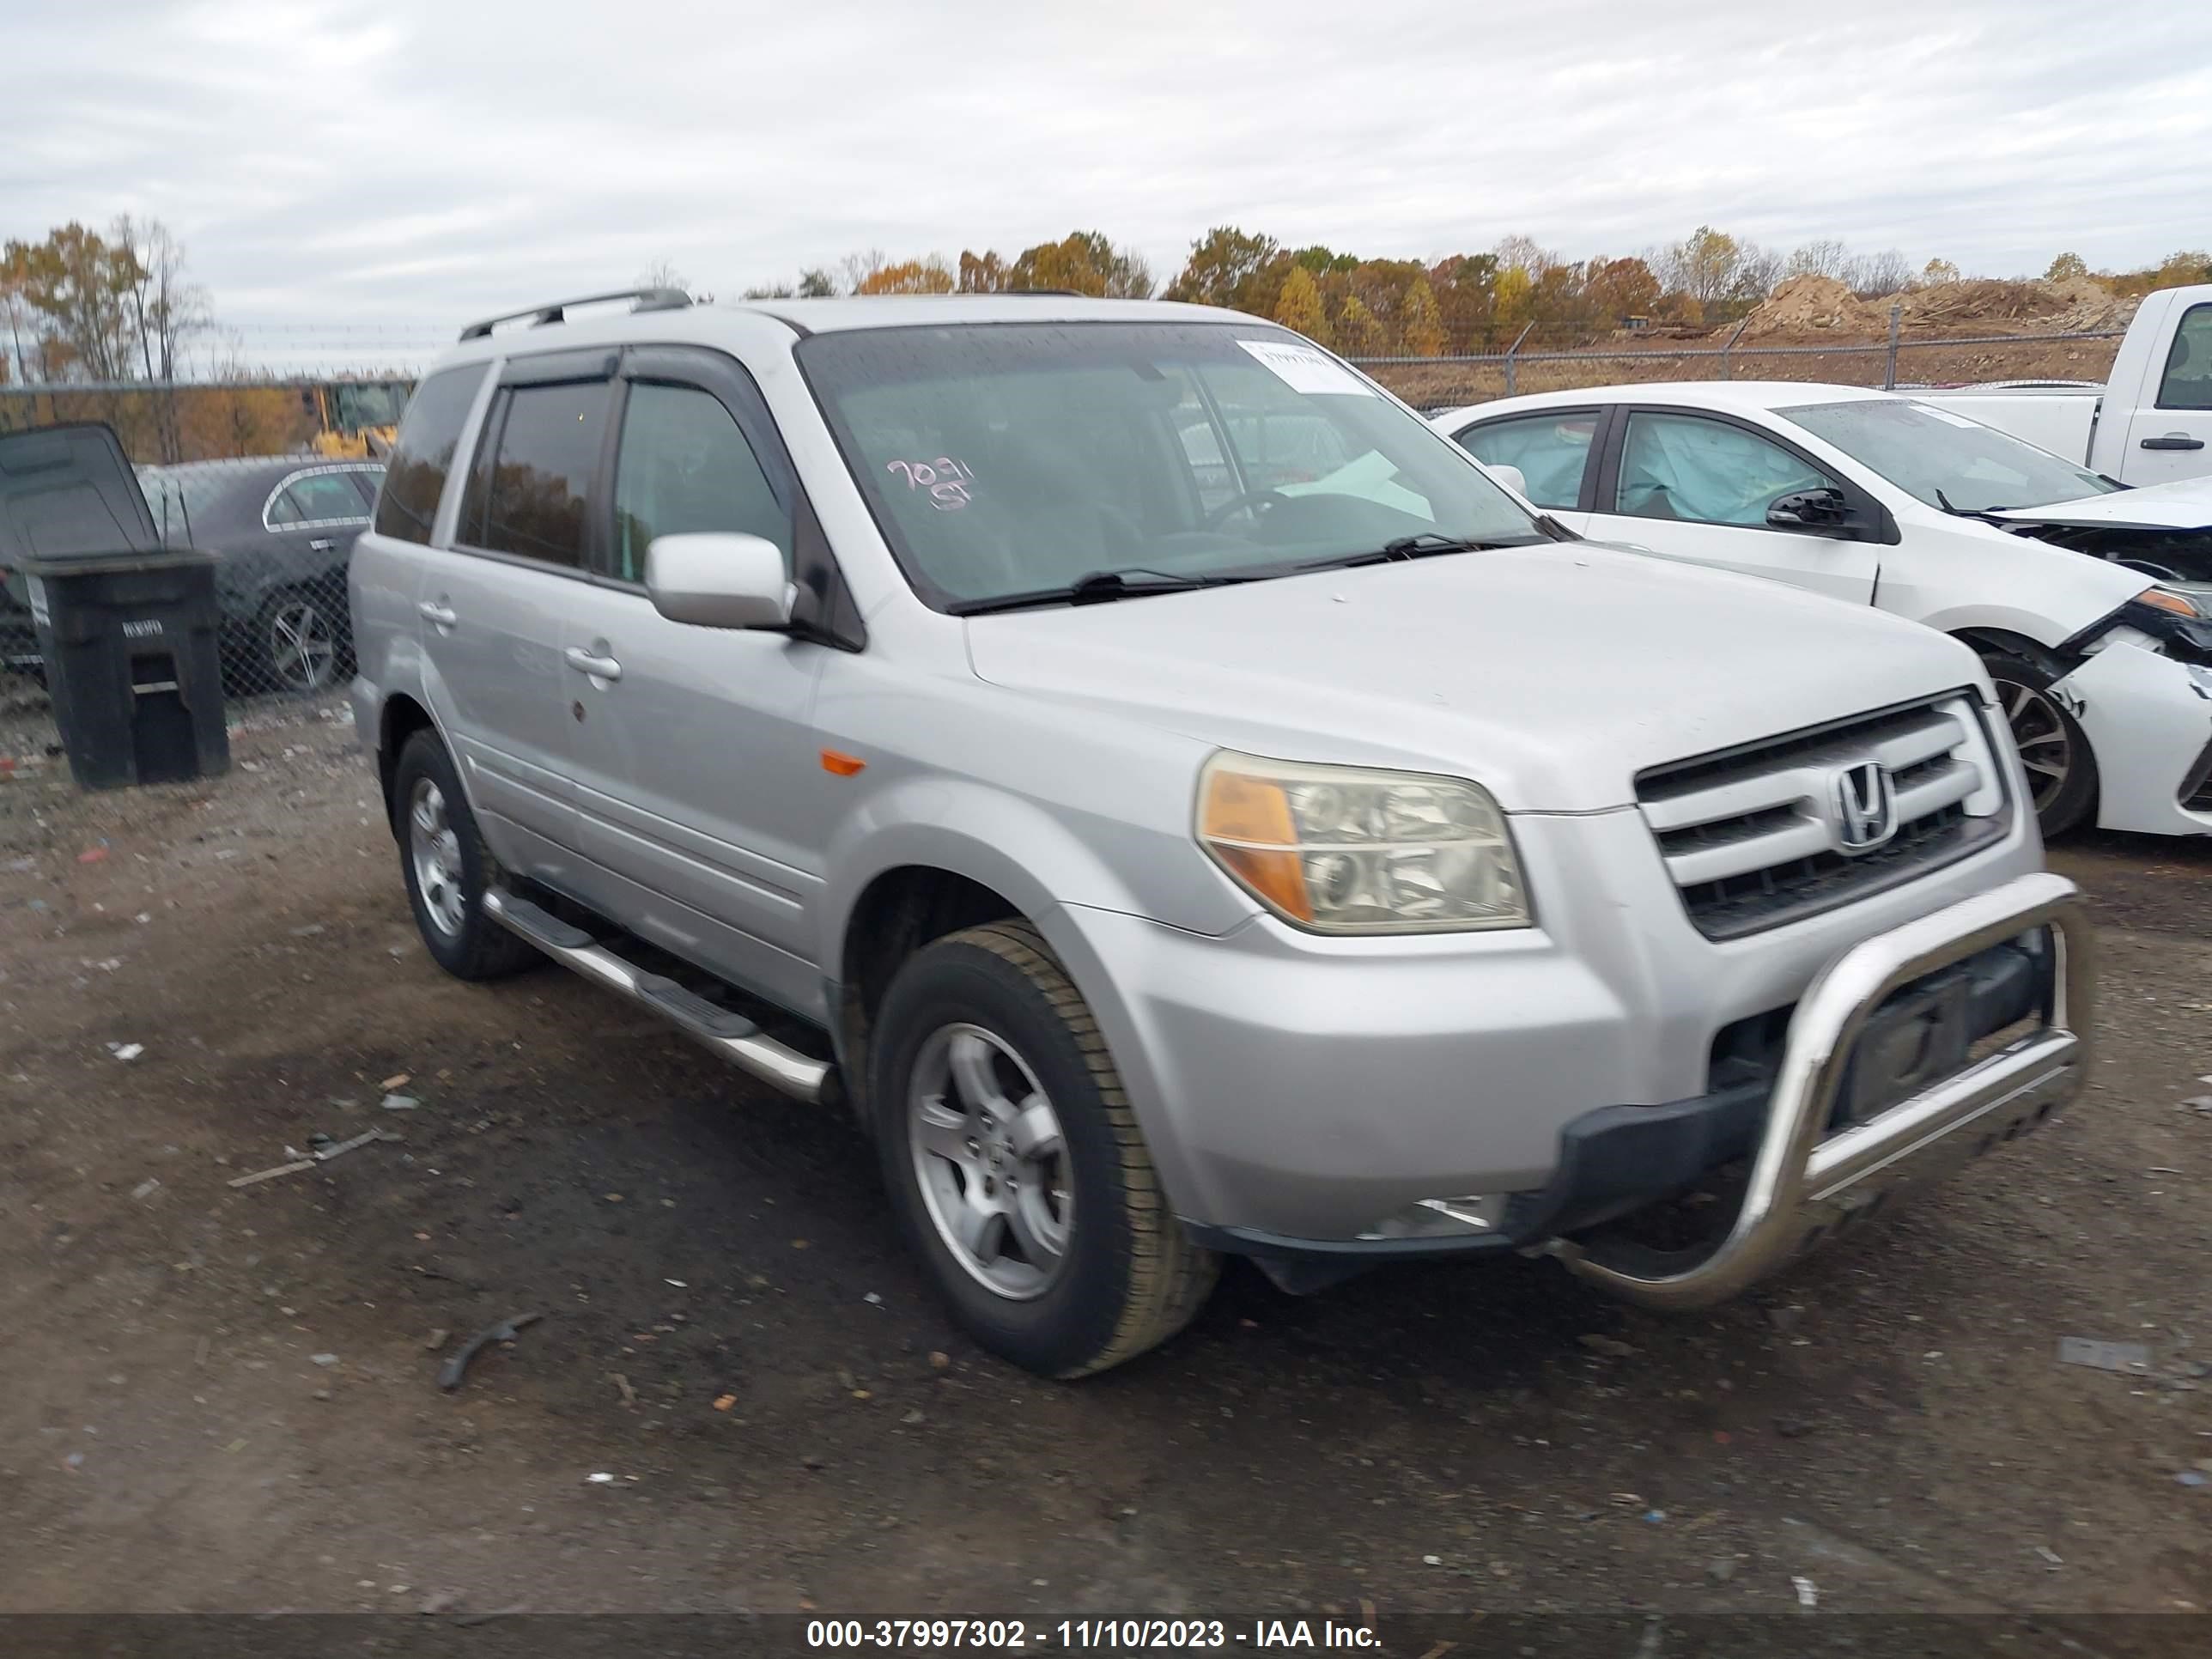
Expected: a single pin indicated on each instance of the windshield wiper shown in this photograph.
(1097, 587)
(1425, 545)
(1987, 515)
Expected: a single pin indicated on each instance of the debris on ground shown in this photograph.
(2193, 1478)
(400, 1103)
(396, 1080)
(724, 1401)
(126, 1050)
(600, 1478)
(2104, 1356)
(1808, 1593)
(1611, 1347)
(326, 1360)
(450, 1378)
(2051, 1556)
(147, 1188)
(622, 1384)
(320, 1155)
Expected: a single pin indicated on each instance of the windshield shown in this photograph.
(1005, 459)
(1922, 449)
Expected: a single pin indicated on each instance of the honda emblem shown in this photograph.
(1866, 807)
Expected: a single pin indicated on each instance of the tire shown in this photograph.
(441, 852)
(2048, 738)
(989, 1011)
(299, 643)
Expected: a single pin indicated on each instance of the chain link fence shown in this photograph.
(2081, 356)
(280, 520)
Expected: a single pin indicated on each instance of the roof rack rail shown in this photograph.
(648, 299)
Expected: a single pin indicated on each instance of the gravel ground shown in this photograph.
(222, 1399)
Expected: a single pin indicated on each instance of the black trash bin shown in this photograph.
(128, 630)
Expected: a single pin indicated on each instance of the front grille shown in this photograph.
(1749, 834)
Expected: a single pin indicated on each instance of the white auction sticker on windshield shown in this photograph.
(1302, 368)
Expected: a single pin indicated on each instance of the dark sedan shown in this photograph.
(282, 528)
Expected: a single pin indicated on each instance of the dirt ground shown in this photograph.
(221, 1399)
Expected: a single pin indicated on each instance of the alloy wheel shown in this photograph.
(2040, 732)
(990, 1160)
(303, 650)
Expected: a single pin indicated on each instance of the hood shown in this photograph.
(2186, 505)
(1551, 675)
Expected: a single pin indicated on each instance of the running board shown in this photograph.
(731, 1036)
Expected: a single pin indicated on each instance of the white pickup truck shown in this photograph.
(2152, 421)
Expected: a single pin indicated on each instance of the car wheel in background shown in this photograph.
(1016, 1163)
(2061, 773)
(300, 641)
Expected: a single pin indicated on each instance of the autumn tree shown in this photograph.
(907, 276)
(81, 283)
(1299, 306)
(1083, 262)
(1825, 258)
(1711, 266)
(1358, 334)
(1222, 268)
(982, 273)
(1423, 334)
(2067, 268)
(1617, 289)
(1938, 271)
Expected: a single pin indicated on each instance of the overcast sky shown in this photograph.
(406, 164)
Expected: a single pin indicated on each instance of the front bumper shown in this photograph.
(1806, 1182)
(2151, 731)
(1331, 1136)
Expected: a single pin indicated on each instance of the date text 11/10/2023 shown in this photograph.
(1014, 1635)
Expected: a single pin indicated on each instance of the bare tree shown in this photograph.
(166, 309)
(1825, 258)
(1871, 276)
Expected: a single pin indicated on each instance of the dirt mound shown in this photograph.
(1812, 305)
(1806, 305)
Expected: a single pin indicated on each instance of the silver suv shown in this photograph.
(1175, 835)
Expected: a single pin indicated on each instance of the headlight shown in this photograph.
(1341, 849)
(2167, 600)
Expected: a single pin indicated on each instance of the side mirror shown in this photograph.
(1812, 509)
(1510, 476)
(715, 579)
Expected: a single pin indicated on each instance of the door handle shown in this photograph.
(438, 613)
(2173, 441)
(599, 668)
(321, 544)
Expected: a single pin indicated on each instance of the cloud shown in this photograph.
(415, 163)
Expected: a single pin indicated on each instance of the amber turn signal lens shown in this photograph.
(2163, 598)
(841, 765)
(1247, 822)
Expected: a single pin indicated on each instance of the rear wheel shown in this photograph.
(447, 867)
(2061, 773)
(299, 641)
(1016, 1163)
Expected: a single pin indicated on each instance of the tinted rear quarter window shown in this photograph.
(416, 477)
(2187, 382)
(534, 498)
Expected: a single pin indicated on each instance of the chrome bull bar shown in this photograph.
(1802, 1186)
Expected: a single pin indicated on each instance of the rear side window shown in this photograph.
(534, 499)
(2188, 381)
(686, 466)
(317, 498)
(416, 477)
(1552, 451)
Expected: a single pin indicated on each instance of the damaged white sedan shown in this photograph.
(2090, 603)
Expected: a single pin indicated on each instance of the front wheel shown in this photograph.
(2061, 773)
(1016, 1163)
